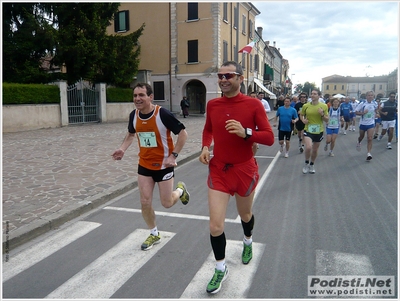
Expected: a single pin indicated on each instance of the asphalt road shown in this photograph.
(340, 221)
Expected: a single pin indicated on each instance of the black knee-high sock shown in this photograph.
(218, 244)
(248, 227)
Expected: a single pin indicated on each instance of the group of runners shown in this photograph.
(235, 122)
(311, 117)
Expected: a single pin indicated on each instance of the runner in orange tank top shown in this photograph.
(152, 125)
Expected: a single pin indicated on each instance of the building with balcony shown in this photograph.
(184, 44)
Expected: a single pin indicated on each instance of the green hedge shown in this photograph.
(46, 94)
(30, 94)
(119, 95)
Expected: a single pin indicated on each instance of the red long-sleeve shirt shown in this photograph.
(230, 148)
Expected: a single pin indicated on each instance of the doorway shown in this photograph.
(196, 94)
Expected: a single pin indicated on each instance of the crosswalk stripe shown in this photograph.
(329, 263)
(239, 279)
(103, 277)
(170, 214)
(45, 248)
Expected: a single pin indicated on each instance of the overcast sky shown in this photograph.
(320, 39)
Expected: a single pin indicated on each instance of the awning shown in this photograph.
(260, 84)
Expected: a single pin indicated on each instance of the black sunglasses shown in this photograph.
(227, 75)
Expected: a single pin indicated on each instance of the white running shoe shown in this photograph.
(306, 168)
(389, 145)
(358, 146)
(312, 169)
(286, 154)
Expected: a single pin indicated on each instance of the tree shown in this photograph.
(308, 87)
(80, 36)
(298, 89)
(68, 34)
(27, 39)
(122, 61)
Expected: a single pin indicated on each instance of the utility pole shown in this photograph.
(292, 82)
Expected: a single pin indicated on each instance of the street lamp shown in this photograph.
(292, 82)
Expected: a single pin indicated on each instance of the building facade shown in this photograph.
(357, 86)
(184, 44)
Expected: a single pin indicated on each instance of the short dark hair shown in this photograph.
(149, 89)
(318, 91)
(238, 67)
(261, 92)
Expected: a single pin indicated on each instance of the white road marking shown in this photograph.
(262, 180)
(330, 263)
(264, 157)
(102, 278)
(201, 217)
(45, 248)
(239, 279)
(265, 176)
(169, 214)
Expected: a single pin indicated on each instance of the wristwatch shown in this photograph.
(175, 154)
(248, 133)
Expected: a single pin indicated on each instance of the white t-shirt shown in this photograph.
(266, 105)
(368, 118)
(354, 105)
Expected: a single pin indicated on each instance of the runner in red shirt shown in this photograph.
(231, 122)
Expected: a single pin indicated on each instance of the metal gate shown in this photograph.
(83, 103)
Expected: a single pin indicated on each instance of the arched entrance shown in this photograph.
(196, 94)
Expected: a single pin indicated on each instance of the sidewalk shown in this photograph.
(51, 176)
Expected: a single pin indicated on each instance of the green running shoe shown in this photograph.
(247, 253)
(185, 195)
(150, 241)
(215, 283)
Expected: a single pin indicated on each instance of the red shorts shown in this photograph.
(239, 178)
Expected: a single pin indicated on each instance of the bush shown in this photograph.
(119, 95)
(30, 94)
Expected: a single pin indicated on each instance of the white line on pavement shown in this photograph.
(329, 263)
(239, 279)
(262, 180)
(45, 248)
(169, 214)
(102, 278)
(266, 175)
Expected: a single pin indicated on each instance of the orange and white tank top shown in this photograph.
(154, 139)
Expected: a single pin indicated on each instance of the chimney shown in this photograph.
(259, 31)
(274, 43)
(267, 42)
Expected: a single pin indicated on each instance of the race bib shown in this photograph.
(314, 128)
(333, 122)
(368, 115)
(147, 139)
